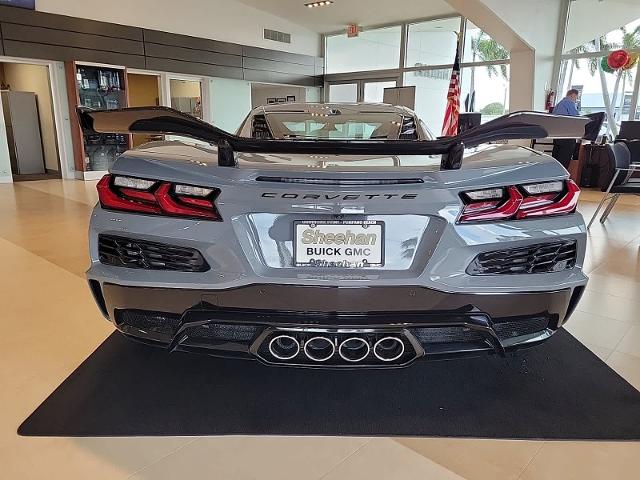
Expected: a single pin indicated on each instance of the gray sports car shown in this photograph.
(336, 235)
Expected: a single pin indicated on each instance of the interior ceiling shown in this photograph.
(338, 15)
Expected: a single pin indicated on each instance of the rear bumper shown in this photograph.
(240, 322)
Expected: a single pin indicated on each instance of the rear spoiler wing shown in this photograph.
(164, 120)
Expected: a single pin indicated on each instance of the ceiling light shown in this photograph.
(322, 3)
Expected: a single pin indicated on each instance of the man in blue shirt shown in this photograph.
(565, 149)
(567, 106)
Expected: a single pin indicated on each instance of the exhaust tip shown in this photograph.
(319, 349)
(354, 349)
(388, 349)
(284, 347)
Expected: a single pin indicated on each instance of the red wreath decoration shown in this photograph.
(617, 59)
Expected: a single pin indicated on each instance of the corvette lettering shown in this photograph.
(337, 196)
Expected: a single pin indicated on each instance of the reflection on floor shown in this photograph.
(50, 324)
(31, 177)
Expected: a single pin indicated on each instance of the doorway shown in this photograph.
(28, 121)
(186, 96)
(144, 91)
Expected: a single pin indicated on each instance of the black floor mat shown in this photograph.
(559, 390)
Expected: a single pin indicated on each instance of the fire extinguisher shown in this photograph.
(551, 100)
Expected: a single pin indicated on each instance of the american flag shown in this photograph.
(450, 125)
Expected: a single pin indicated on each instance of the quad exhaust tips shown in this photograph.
(335, 349)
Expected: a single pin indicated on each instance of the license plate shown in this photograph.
(339, 244)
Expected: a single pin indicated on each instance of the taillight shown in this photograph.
(563, 201)
(504, 207)
(157, 198)
(520, 202)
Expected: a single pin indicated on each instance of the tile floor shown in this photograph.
(46, 335)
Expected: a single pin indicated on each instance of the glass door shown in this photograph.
(186, 96)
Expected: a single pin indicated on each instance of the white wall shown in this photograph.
(536, 22)
(529, 30)
(260, 93)
(226, 20)
(590, 18)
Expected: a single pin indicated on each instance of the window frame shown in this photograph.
(562, 56)
(399, 72)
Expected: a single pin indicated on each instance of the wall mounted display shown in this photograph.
(98, 88)
(291, 98)
(271, 100)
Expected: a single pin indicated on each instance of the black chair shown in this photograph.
(620, 170)
(634, 148)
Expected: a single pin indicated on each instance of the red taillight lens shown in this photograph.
(119, 200)
(504, 208)
(157, 198)
(527, 201)
(182, 206)
(565, 202)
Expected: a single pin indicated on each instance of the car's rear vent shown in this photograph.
(408, 130)
(453, 334)
(538, 258)
(161, 323)
(521, 326)
(134, 253)
(224, 332)
(510, 328)
(342, 182)
(260, 128)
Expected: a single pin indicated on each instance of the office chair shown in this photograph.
(621, 169)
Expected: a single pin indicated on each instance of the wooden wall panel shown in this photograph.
(31, 34)
(173, 39)
(55, 52)
(72, 24)
(65, 38)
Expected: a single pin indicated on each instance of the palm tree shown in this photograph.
(574, 64)
(486, 49)
(630, 41)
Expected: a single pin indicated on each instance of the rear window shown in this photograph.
(335, 125)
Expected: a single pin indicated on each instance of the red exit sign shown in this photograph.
(353, 30)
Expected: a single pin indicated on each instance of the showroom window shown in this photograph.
(432, 43)
(480, 47)
(431, 95)
(343, 93)
(589, 40)
(428, 56)
(376, 49)
(485, 89)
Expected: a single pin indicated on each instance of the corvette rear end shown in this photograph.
(334, 260)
